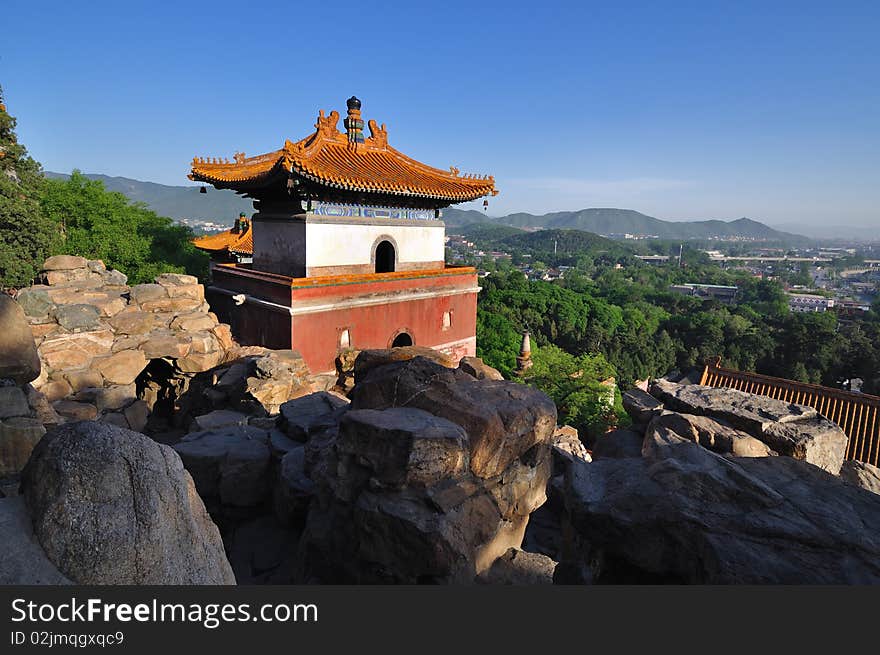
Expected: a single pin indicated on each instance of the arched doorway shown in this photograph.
(401, 340)
(385, 257)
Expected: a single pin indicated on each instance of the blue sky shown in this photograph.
(681, 110)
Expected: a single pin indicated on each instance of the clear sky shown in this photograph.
(681, 110)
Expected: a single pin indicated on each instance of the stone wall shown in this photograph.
(95, 335)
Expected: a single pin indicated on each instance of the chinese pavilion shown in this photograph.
(347, 244)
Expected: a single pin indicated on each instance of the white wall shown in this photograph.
(333, 244)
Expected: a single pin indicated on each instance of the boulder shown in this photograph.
(77, 318)
(193, 322)
(403, 446)
(517, 567)
(65, 263)
(35, 302)
(618, 443)
(18, 353)
(709, 433)
(788, 429)
(860, 474)
(111, 506)
(18, 436)
(640, 405)
(474, 366)
(122, 367)
(199, 362)
(136, 414)
(566, 443)
(141, 293)
(301, 417)
(76, 411)
(293, 489)
(219, 418)
(230, 464)
(502, 419)
(683, 514)
(79, 380)
(135, 322)
(22, 559)
(114, 278)
(370, 359)
(164, 343)
(13, 402)
(176, 279)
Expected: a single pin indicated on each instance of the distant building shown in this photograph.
(721, 293)
(805, 302)
(656, 260)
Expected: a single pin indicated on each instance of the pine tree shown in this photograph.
(26, 235)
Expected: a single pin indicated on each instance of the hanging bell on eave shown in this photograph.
(485, 205)
(203, 189)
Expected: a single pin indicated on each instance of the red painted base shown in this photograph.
(320, 316)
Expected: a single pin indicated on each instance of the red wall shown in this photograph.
(316, 336)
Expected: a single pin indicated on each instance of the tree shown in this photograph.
(105, 225)
(581, 387)
(26, 234)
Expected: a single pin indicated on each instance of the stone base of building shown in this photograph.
(321, 316)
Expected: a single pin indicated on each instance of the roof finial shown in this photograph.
(354, 126)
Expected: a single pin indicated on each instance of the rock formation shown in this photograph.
(727, 488)
(111, 506)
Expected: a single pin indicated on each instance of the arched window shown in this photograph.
(401, 340)
(385, 257)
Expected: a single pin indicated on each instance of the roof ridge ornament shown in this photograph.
(354, 125)
(378, 135)
(326, 125)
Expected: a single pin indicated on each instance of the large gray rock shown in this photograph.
(640, 405)
(518, 567)
(403, 446)
(476, 367)
(618, 443)
(865, 476)
(77, 318)
(793, 430)
(293, 490)
(111, 506)
(301, 417)
(683, 514)
(395, 500)
(230, 463)
(18, 353)
(22, 560)
(709, 433)
(35, 302)
(18, 436)
(13, 402)
(502, 419)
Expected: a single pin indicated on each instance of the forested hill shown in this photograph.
(609, 221)
(176, 202)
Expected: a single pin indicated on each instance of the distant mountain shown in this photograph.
(180, 202)
(608, 221)
(221, 206)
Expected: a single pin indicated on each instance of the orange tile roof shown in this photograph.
(330, 158)
(229, 241)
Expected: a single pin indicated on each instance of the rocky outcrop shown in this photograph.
(428, 476)
(22, 560)
(518, 567)
(96, 336)
(477, 368)
(788, 429)
(19, 361)
(859, 474)
(111, 506)
(682, 514)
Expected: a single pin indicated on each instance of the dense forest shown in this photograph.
(613, 309)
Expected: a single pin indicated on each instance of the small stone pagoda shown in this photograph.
(348, 246)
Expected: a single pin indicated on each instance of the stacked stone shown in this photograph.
(95, 335)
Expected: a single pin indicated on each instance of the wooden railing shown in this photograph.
(855, 413)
